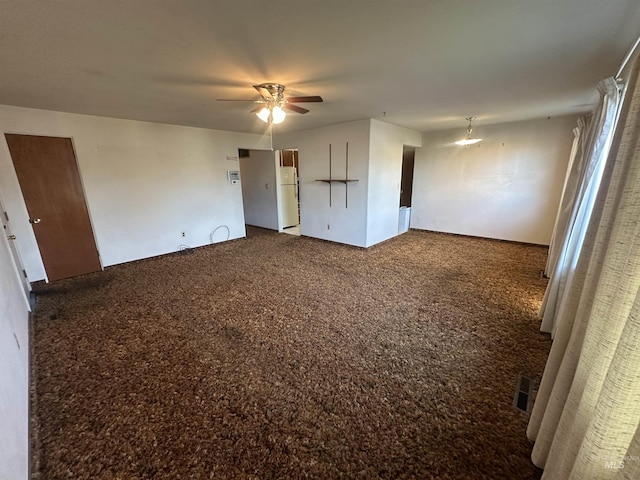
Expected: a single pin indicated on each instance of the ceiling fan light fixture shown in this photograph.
(278, 115)
(272, 114)
(264, 114)
(468, 140)
(274, 103)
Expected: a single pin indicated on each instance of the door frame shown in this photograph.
(14, 251)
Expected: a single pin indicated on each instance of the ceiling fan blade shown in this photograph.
(312, 98)
(238, 100)
(295, 108)
(263, 92)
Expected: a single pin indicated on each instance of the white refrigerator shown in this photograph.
(289, 196)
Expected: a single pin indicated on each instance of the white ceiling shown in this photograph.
(427, 63)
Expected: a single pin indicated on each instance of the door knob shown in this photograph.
(11, 237)
(35, 220)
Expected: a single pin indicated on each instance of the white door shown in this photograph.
(17, 261)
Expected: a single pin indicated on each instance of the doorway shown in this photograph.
(48, 175)
(406, 188)
(258, 180)
(270, 189)
(406, 183)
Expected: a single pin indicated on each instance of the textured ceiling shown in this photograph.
(427, 63)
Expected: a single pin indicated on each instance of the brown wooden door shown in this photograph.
(48, 174)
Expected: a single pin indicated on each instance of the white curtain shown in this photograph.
(586, 417)
(576, 164)
(581, 186)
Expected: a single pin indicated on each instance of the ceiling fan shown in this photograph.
(274, 103)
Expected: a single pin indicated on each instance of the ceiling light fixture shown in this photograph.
(264, 114)
(468, 140)
(274, 103)
(278, 115)
(272, 114)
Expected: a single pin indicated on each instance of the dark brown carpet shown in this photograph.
(282, 357)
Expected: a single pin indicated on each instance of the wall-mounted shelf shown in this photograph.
(335, 180)
(346, 180)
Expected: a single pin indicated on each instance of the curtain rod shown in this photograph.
(627, 58)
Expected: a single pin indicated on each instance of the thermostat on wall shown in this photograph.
(233, 176)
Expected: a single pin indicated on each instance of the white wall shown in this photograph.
(259, 189)
(14, 371)
(385, 174)
(375, 160)
(346, 224)
(506, 187)
(144, 183)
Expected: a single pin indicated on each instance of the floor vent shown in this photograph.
(32, 301)
(522, 397)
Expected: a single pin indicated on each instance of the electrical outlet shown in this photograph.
(183, 234)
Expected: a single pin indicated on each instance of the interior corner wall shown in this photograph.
(259, 189)
(335, 212)
(506, 187)
(14, 371)
(145, 183)
(385, 173)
